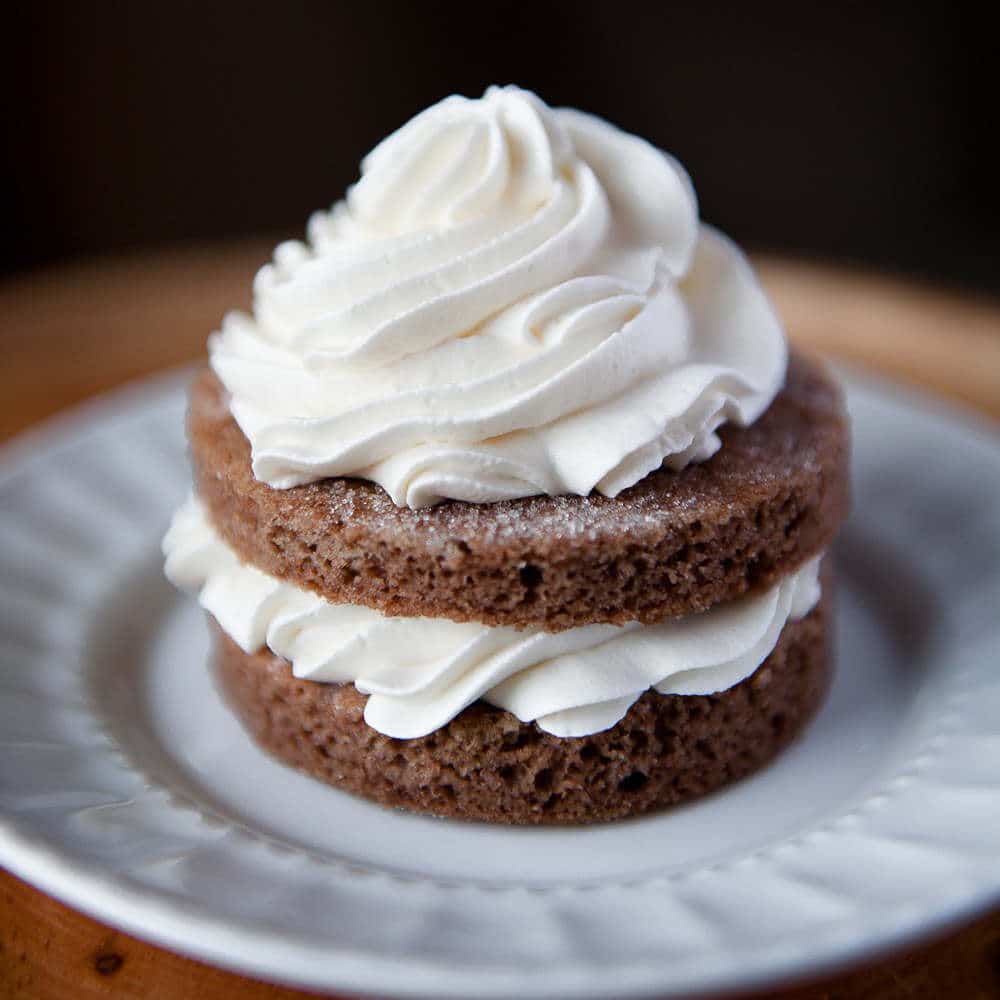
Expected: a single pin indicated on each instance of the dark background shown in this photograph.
(852, 133)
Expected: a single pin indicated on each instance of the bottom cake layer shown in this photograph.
(487, 765)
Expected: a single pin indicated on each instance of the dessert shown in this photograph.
(509, 502)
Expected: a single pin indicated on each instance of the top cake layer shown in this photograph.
(676, 542)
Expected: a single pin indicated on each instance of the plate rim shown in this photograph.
(141, 914)
(241, 946)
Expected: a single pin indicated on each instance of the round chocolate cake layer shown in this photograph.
(674, 543)
(487, 765)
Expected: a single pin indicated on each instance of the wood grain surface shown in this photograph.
(70, 332)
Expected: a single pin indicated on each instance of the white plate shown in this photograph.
(129, 792)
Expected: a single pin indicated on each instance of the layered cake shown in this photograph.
(510, 503)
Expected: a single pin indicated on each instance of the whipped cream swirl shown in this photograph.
(513, 300)
(420, 673)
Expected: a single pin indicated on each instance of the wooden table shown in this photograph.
(70, 332)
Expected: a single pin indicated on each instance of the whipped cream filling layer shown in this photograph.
(512, 300)
(420, 673)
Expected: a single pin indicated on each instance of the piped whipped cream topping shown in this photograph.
(512, 300)
(420, 673)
